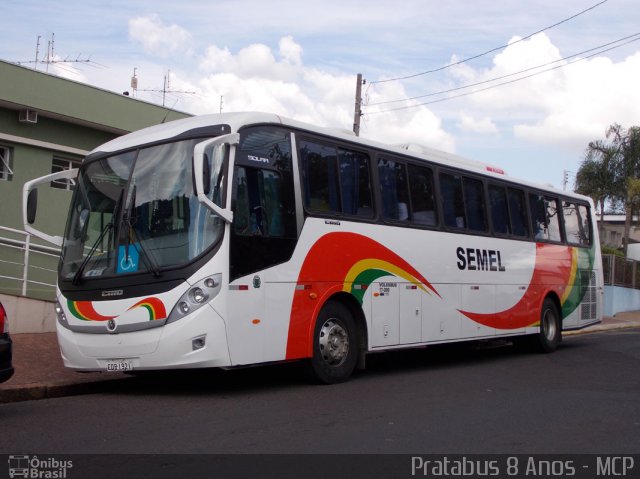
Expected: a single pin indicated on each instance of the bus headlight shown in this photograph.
(62, 317)
(196, 296)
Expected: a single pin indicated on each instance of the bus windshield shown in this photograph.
(137, 212)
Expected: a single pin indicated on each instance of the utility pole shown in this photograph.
(358, 111)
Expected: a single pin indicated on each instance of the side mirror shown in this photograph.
(30, 202)
(206, 174)
(32, 206)
(204, 153)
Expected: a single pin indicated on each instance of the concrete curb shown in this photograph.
(31, 392)
(598, 328)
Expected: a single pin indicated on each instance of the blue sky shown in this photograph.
(300, 59)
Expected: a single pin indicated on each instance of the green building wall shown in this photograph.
(72, 119)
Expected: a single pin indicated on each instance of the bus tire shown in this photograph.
(335, 345)
(550, 334)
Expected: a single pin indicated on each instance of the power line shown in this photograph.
(489, 51)
(599, 47)
(507, 82)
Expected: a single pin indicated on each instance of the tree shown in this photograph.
(596, 178)
(611, 172)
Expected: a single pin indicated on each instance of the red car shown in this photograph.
(6, 369)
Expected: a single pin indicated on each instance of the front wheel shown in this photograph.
(550, 334)
(334, 344)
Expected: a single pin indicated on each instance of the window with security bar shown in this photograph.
(62, 164)
(6, 174)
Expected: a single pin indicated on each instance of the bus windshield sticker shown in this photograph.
(128, 260)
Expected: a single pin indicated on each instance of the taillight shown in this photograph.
(4, 321)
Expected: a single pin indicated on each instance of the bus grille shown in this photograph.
(588, 308)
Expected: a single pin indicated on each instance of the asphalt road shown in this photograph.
(584, 398)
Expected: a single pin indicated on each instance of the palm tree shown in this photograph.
(596, 178)
(628, 170)
(611, 172)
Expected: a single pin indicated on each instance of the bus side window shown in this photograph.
(499, 209)
(474, 204)
(259, 208)
(571, 223)
(553, 212)
(518, 212)
(355, 180)
(544, 213)
(422, 196)
(336, 180)
(452, 201)
(393, 190)
(321, 190)
(585, 225)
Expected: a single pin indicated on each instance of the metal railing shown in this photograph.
(619, 271)
(23, 263)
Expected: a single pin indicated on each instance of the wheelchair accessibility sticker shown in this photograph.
(128, 259)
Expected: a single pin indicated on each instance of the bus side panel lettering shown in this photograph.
(471, 259)
(500, 267)
(462, 261)
(481, 255)
(474, 259)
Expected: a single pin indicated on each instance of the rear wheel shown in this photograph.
(550, 334)
(335, 345)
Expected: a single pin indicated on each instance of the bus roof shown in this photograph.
(175, 128)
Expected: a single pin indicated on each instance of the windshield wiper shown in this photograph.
(83, 265)
(139, 246)
(108, 227)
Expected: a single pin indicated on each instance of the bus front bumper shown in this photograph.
(196, 341)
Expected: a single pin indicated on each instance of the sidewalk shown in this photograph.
(40, 374)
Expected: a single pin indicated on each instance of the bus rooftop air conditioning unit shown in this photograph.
(28, 116)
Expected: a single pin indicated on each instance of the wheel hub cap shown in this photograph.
(334, 342)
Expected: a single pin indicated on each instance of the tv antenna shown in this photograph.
(166, 87)
(50, 57)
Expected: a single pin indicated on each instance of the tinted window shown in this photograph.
(319, 169)
(518, 212)
(474, 203)
(499, 209)
(422, 202)
(452, 201)
(355, 181)
(393, 190)
(336, 180)
(264, 217)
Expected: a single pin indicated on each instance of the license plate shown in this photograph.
(119, 365)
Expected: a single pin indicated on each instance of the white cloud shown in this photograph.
(406, 123)
(156, 37)
(418, 126)
(470, 124)
(567, 106)
(256, 78)
(290, 51)
(594, 94)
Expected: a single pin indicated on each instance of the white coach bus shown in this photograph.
(246, 238)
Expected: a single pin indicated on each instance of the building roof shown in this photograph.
(74, 102)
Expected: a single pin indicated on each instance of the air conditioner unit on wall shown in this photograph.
(28, 116)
